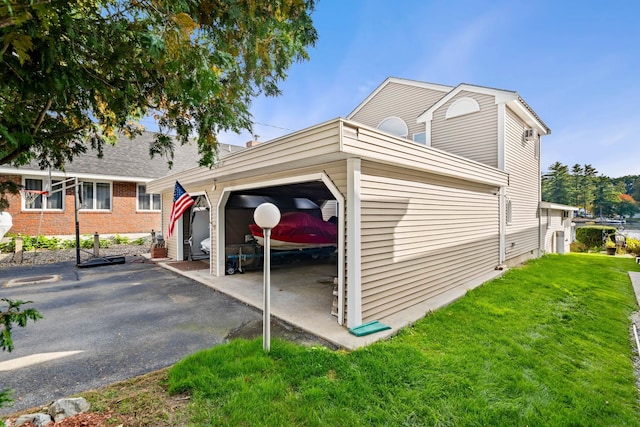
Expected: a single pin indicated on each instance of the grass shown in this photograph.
(546, 344)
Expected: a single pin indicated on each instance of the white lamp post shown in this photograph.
(267, 216)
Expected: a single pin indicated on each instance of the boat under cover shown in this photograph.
(299, 230)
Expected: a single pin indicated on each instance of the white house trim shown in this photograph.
(87, 176)
(178, 229)
(501, 137)
(354, 273)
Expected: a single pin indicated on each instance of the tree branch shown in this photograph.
(11, 156)
(43, 112)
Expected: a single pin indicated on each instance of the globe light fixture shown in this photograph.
(267, 216)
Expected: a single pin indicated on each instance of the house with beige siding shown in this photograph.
(433, 188)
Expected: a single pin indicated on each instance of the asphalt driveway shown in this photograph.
(110, 323)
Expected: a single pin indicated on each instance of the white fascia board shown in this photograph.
(88, 176)
(557, 206)
(530, 119)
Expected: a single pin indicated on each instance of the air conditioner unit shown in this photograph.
(530, 135)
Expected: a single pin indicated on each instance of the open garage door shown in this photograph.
(195, 229)
(318, 266)
(301, 206)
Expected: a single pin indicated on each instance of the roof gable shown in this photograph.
(407, 82)
(511, 98)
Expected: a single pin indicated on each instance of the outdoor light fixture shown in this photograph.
(267, 216)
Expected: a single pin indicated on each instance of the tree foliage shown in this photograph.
(9, 316)
(74, 72)
(556, 184)
(583, 188)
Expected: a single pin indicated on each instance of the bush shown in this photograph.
(120, 240)
(140, 241)
(579, 247)
(633, 246)
(30, 242)
(593, 236)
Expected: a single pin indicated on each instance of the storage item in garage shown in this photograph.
(243, 257)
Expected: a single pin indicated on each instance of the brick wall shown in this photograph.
(123, 217)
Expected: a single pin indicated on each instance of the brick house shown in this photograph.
(112, 191)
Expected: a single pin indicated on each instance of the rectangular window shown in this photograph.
(420, 137)
(50, 201)
(148, 201)
(95, 195)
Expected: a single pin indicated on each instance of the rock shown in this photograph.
(63, 408)
(41, 420)
(38, 420)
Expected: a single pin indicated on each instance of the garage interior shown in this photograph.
(244, 254)
(313, 270)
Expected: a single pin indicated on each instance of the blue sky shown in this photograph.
(576, 63)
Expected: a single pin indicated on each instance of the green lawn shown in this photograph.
(546, 344)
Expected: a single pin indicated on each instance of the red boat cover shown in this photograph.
(300, 227)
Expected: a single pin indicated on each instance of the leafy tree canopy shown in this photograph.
(75, 72)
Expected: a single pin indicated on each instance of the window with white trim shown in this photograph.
(95, 195)
(49, 201)
(395, 126)
(420, 138)
(148, 201)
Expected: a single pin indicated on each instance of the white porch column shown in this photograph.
(354, 272)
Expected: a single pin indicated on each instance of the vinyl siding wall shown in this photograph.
(422, 235)
(552, 222)
(474, 135)
(522, 235)
(400, 100)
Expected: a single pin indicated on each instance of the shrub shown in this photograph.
(593, 235)
(633, 246)
(579, 247)
(120, 240)
(140, 241)
(30, 242)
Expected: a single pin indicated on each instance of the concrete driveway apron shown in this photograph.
(110, 323)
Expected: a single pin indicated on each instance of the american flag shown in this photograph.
(181, 202)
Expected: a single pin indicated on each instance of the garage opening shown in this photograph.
(305, 243)
(309, 214)
(196, 243)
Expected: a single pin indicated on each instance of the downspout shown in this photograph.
(540, 236)
(502, 194)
